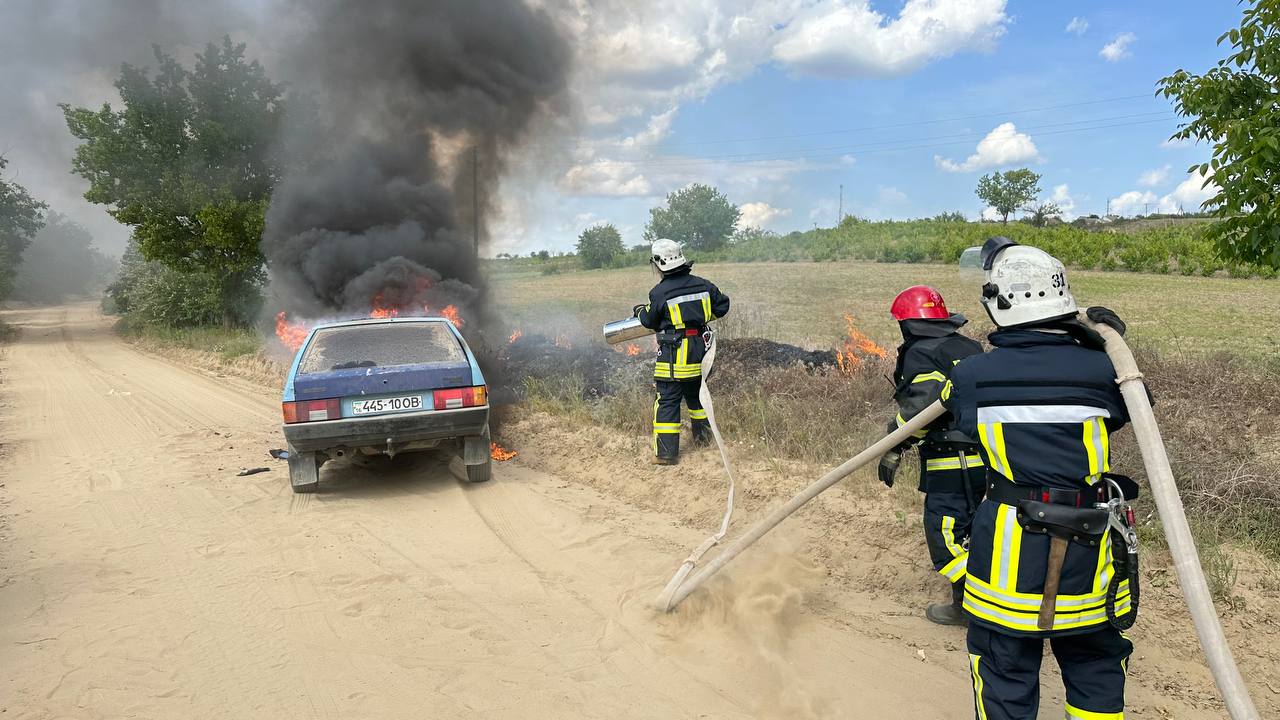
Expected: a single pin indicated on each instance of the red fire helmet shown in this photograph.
(919, 302)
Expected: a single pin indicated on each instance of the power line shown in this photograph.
(917, 123)
(869, 149)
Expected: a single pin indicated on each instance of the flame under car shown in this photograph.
(384, 386)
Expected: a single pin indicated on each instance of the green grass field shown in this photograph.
(803, 303)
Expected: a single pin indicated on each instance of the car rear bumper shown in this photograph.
(382, 431)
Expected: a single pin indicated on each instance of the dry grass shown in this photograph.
(1217, 410)
(803, 303)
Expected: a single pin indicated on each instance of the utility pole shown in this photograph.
(840, 219)
(1108, 208)
(475, 200)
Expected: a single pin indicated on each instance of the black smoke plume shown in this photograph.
(409, 112)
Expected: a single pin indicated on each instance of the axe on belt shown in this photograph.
(1063, 524)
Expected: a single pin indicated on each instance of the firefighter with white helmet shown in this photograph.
(679, 308)
(1043, 404)
(951, 472)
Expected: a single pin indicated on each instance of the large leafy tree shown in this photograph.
(21, 217)
(698, 216)
(188, 162)
(61, 262)
(1008, 191)
(599, 245)
(1235, 108)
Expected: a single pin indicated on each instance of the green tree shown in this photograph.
(189, 164)
(1038, 215)
(953, 216)
(1009, 190)
(21, 217)
(698, 216)
(599, 245)
(61, 262)
(1235, 108)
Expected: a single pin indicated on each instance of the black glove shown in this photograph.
(635, 311)
(1105, 316)
(889, 466)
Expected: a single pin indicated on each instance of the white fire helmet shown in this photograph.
(1024, 285)
(667, 255)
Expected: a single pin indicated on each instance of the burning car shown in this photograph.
(384, 386)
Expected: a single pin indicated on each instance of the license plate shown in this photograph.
(386, 404)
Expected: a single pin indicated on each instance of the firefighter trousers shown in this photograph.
(666, 416)
(1006, 673)
(948, 511)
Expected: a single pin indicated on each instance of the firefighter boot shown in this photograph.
(949, 613)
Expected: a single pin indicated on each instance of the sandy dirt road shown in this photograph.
(142, 578)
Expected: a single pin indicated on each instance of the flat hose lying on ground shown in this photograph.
(1186, 561)
(678, 589)
(704, 396)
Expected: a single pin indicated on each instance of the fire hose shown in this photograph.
(1163, 488)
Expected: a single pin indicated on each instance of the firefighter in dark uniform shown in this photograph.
(679, 308)
(952, 475)
(1043, 404)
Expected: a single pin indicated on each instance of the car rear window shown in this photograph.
(380, 345)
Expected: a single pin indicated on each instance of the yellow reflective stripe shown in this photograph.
(654, 443)
(992, 437)
(1075, 713)
(956, 569)
(974, 661)
(953, 463)
(662, 370)
(1091, 450)
(1030, 602)
(1027, 621)
(934, 376)
(1102, 573)
(667, 431)
(946, 391)
(903, 421)
(698, 414)
(706, 309)
(677, 318)
(1015, 550)
(949, 536)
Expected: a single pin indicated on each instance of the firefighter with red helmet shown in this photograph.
(952, 475)
(679, 308)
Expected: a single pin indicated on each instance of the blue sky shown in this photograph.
(780, 133)
(776, 102)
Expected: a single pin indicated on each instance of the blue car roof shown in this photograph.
(375, 321)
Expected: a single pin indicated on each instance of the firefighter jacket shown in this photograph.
(1043, 407)
(925, 359)
(679, 308)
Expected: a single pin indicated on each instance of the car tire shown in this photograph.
(480, 473)
(304, 471)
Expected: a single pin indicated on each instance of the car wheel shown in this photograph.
(480, 473)
(304, 472)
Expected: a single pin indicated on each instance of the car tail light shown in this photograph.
(310, 410)
(455, 398)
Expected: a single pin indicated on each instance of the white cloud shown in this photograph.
(1134, 202)
(760, 214)
(848, 160)
(1078, 26)
(1154, 177)
(990, 214)
(1188, 196)
(848, 37)
(607, 178)
(1062, 198)
(891, 196)
(1118, 48)
(1002, 146)
(658, 128)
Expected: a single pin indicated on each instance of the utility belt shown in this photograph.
(1002, 490)
(675, 335)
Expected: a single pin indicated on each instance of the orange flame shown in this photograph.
(450, 313)
(499, 453)
(291, 334)
(856, 346)
(515, 336)
(632, 349)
